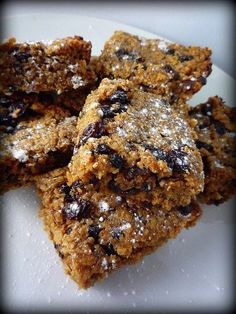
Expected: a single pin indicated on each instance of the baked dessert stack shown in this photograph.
(43, 87)
(121, 172)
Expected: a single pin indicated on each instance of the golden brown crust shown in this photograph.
(106, 238)
(216, 127)
(35, 66)
(156, 65)
(42, 141)
(133, 143)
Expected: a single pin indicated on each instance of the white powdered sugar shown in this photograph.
(77, 81)
(103, 206)
(20, 154)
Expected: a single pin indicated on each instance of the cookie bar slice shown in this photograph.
(36, 66)
(156, 65)
(42, 141)
(216, 127)
(132, 143)
(95, 238)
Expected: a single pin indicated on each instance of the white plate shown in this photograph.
(191, 272)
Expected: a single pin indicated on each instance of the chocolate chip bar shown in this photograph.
(40, 142)
(58, 66)
(98, 237)
(156, 65)
(133, 144)
(216, 127)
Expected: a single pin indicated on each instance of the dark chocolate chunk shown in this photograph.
(95, 129)
(93, 231)
(103, 149)
(207, 109)
(117, 161)
(123, 54)
(220, 127)
(132, 172)
(77, 209)
(21, 56)
(184, 58)
(158, 153)
(64, 188)
(108, 249)
(176, 160)
(94, 180)
(119, 96)
(116, 234)
(170, 51)
(147, 187)
(114, 187)
(207, 146)
(116, 103)
(202, 80)
(69, 230)
(185, 210)
(168, 69)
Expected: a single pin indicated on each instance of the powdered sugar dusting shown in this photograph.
(19, 154)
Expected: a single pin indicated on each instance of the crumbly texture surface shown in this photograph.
(132, 143)
(94, 240)
(39, 143)
(36, 66)
(216, 127)
(156, 65)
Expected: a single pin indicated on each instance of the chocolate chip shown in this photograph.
(77, 209)
(184, 58)
(119, 96)
(64, 188)
(77, 184)
(94, 180)
(147, 187)
(57, 247)
(108, 249)
(204, 123)
(116, 234)
(168, 69)
(93, 231)
(132, 172)
(113, 187)
(22, 56)
(69, 230)
(117, 161)
(144, 87)
(158, 153)
(116, 103)
(202, 80)
(95, 129)
(200, 145)
(185, 210)
(176, 160)
(123, 54)
(220, 127)
(170, 51)
(206, 109)
(103, 149)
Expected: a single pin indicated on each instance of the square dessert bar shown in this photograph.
(93, 238)
(216, 127)
(156, 65)
(42, 141)
(133, 144)
(36, 66)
